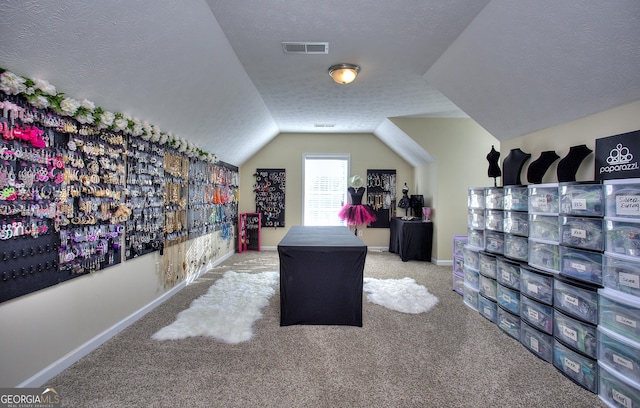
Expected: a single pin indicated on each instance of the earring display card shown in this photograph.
(270, 193)
(381, 196)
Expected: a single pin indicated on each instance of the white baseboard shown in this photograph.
(58, 366)
(444, 262)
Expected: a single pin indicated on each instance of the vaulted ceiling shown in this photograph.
(214, 72)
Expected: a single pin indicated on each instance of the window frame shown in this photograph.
(323, 156)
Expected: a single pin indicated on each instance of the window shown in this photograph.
(325, 188)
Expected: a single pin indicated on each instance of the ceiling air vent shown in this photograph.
(305, 47)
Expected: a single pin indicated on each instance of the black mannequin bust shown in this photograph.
(539, 167)
(569, 164)
(513, 165)
(494, 168)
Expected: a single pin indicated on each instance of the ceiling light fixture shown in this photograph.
(344, 73)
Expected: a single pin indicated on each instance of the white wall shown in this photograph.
(43, 331)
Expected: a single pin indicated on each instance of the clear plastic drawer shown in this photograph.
(494, 242)
(622, 198)
(581, 232)
(582, 265)
(582, 199)
(488, 287)
(544, 255)
(544, 198)
(623, 237)
(537, 285)
(493, 198)
(578, 335)
(516, 247)
(494, 220)
(576, 300)
(536, 314)
(475, 198)
(581, 369)
(516, 198)
(539, 343)
(487, 264)
(544, 227)
(621, 273)
(508, 273)
(516, 223)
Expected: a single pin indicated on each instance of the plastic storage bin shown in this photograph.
(487, 264)
(470, 297)
(580, 232)
(508, 299)
(539, 343)
(619, 353)
(493, 198)
(616, 390)
(576, 300)
(516, 198)
(544, 227)
(622, 198)
(581, 369)
(458, 283)
(475, 218)
(620, 313)
(621, 273)
(494, 220)
(509, 323)
(488, 287)
(582, 265)
(458, 264)
(508, 273)
(471, 259)
(578, 335)
(475, 239)
(537, 285)
(582, 199)
(516, 247)
(544, 255)
(544, 198)
(471, 278)
(623, 237)
(475, 198)
(487, 308)
(459, 242)
(538, 315)
(494, 242)
(516, 223)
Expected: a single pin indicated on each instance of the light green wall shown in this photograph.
(625, 118)
(459, 147)
(286, 150)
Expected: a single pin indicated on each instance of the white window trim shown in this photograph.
(321, 156)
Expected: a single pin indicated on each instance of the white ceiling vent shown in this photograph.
(305, 47)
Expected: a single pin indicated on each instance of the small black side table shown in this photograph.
(412, 240)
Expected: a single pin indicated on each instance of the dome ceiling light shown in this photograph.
(344, 73)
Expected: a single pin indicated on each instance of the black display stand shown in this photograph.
(381, 196)
(270, 189)
(412, 240)
(248, 232)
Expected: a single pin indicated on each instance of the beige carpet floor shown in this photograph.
(448, 357)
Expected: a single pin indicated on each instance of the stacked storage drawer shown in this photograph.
(475, 244)
(459, 242)
(516, 223)
(544, 227)
(619, 315)
(508, 296)
(536, 311)
(582, 231)
(494, 220)
(575, 333)
(488, 286)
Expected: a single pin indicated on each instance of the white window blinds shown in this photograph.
(325, 188)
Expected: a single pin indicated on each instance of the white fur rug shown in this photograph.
(227, 311)
(402, 295)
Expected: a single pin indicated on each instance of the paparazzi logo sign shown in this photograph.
(46, 397)
(617, 156)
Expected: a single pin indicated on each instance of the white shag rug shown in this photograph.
(402, 295)
(227, 311)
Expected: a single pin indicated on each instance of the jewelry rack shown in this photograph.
(381, 196)
(71, 193)
(270, 189)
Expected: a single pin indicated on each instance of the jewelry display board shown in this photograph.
(248, 232)
(71, 192)
(381, 196)
(145, 197)
(270, 189)
(213, 197)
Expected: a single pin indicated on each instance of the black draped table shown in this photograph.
(412, 240)
(321, 270)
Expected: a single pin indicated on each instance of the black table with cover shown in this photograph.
(412, 240)
(321, 272)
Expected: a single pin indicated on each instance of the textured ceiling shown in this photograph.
(213, 72)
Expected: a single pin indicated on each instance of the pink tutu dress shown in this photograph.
(357, 213)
